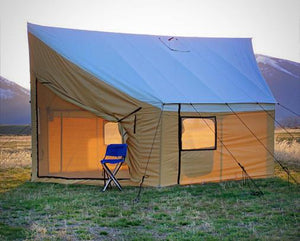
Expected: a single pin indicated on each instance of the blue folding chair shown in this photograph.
(115, 154)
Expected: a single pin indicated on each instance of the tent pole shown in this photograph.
(37, 128)
(179, 144)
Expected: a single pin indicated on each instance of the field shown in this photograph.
(15, 130)
(217, 211)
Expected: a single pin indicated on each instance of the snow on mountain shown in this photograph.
(6, 94)
(283, 78)
(9, 89)
(275, 63)
(14, 103)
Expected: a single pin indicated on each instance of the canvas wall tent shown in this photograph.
(167, 96)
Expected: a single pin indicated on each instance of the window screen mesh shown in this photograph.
(112, 134)
(75, 144)
(198, 133)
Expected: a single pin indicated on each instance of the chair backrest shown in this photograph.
(116, 150)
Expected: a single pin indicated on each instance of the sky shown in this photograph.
(273, 25)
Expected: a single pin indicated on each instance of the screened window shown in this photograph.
(112, 134)
(198, 133)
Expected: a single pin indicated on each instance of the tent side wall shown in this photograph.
(198, 166)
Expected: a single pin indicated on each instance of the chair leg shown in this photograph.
(108, 183)
(112, 176)
(104, 175)
(106, 178)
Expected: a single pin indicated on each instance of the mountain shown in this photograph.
(283, 78)
(14, 103)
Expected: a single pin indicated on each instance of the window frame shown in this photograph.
(197, 117)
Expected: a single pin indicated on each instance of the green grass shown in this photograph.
(11, 233)
(216, 211)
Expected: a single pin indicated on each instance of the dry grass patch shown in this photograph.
(288, 152)
(15, 152)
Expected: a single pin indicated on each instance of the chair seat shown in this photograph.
(112, 161)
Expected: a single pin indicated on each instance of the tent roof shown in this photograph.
(163, 69)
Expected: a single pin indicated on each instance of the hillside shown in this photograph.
(14, 103)
(283, 78)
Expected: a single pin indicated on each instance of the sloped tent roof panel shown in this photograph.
(158, 70)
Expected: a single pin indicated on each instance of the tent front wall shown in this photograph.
(67, 99)
(71, 141)
(59, 86)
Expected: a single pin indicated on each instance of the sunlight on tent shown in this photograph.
(112, 134)
(198, 133)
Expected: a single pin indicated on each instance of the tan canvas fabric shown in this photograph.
(218, 165)
(75, 105)
(72, 86)
(71, 140)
